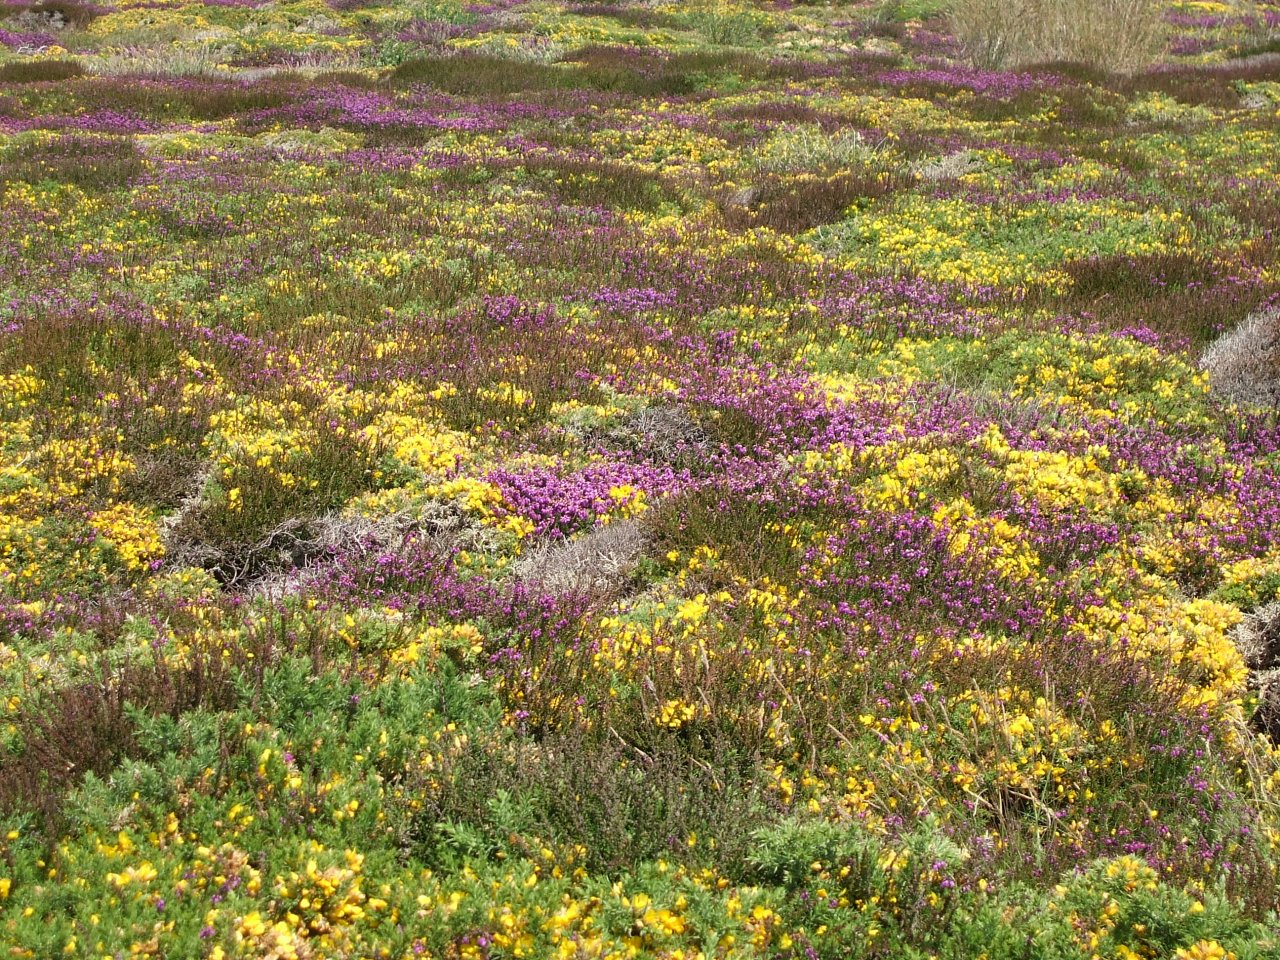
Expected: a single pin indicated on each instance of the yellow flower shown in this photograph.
(1204, 950)
(132, 532)
(252, 925)
(692, 611)
(675, 714)
(664, 920)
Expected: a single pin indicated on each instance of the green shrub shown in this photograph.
(727, 24)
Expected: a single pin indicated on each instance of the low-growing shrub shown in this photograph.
(621, 70)
(144, 93)
(1220, 85)
(1181, 295)
(40, 71)
(483, 75)
(641, 17)
(90, 728)
(727, 24)
(86, 161)
(601, 183)
(899, 12)
(622, 804)
(797, 204)
(601, 560)
(68, 13)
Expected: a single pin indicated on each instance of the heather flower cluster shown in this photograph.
(545, 479)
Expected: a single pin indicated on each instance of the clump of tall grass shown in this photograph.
(1119, 35)
(806, 147)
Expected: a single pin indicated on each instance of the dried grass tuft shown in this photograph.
(1117, 35)
(1244, 365)
(599, 561)
(1258, 639)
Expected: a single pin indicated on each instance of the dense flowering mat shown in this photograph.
(607, 480)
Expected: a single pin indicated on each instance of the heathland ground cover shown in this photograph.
(542, 479)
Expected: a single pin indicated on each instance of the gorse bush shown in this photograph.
(1117, 35)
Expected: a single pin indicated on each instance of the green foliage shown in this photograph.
(727, 24)
(904, 11)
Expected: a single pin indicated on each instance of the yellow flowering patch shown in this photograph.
(132, 532)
